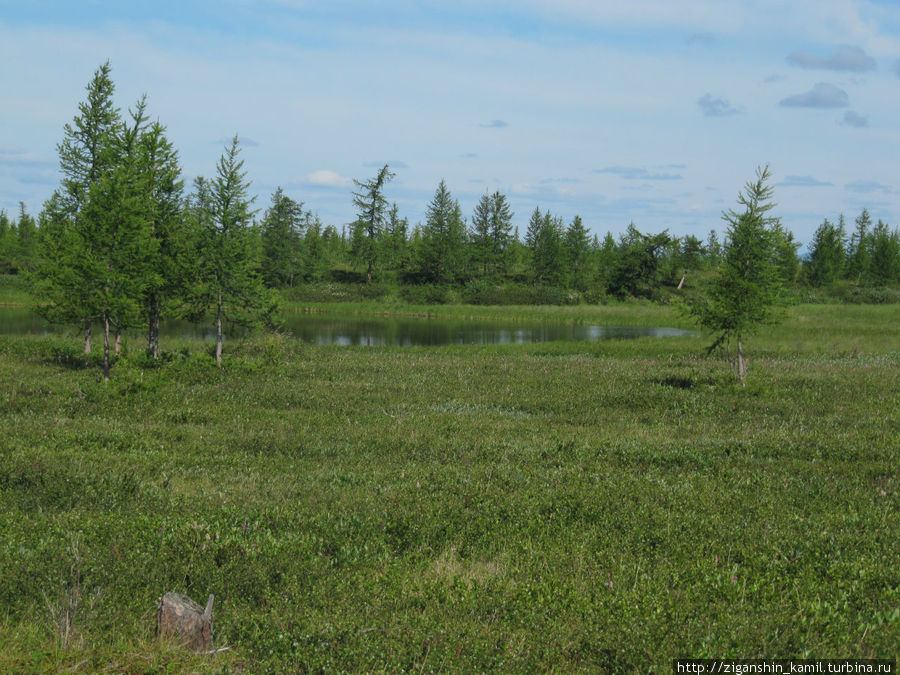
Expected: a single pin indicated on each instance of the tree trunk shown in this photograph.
(219, 338)
(681, 283)
(118, 341)
(740, 361)
(87, 336)
(106, 346)
(153, 337)
(181, 618)
(369, 274)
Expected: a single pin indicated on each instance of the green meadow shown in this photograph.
(603, 506)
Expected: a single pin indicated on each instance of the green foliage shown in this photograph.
(885, 255)
(440, 253)
(228, 282)
(282, 232)
(491, 235)
(370, 222)
(544, 240)
(636, 267)
(745, 293)
(826, 254)
(457, 509)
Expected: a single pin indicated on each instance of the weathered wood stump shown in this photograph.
(181, 618)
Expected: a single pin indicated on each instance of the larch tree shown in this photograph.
(168, 246)
(443, 239)
(282, 237)
(744, 295)
(370, 220)
(119, 207)
(576, 244)
(67, 239)
(227, 276)
(491, 233)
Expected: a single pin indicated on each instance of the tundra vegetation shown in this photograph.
(602, 506)
(558, 506)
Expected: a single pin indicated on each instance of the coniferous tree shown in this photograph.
(8, 240)
(577, 246)
(713, 248)
(395, 240)
(26, 236)
(282, 237)
(885, 255)
(745, 292)
(859, 248)
(370, 218)
(636, 268)
(491, 234)
(119, 207)
(67, 239)
(441, 251)
(826, 256)
(169, 239)
(228, 281)
(544, 240)
(481, 235)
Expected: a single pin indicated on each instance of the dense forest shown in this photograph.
(121, 242)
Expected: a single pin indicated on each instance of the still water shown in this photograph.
(372, 331)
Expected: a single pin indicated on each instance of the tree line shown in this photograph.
(121, 243)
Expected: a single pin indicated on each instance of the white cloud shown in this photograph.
(327, 178)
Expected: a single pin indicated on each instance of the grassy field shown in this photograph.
(553, 507)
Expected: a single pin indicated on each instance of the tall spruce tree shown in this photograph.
(745, 292)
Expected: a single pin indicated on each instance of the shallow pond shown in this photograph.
(373, 331)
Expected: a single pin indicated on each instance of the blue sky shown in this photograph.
(649, 111)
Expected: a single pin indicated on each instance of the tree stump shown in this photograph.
(181, 618)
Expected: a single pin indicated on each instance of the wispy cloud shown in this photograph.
(469, 155)
(551, 181)
(638, 173)
(866, 186)
(822, 95)
(803, 181)
(327, 178)
(17, 157)
(843, 58)
(494, 124)
(854, 119)
(773, 78)
(716, 107)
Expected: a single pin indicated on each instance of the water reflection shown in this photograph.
(404, 332)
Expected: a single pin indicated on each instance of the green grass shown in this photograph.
(601, 506)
